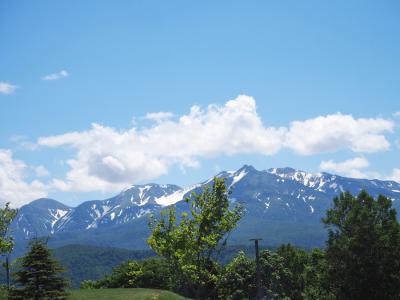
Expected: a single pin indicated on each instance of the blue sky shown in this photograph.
(67, 64)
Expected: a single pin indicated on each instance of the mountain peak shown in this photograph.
(46, 203)
(246, 168)
(271, 197)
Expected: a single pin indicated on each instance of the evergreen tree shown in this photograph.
(39, 277)
(363, 248)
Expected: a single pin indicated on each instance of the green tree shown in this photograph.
(132, 272)
(39, 277)
(276, 277)
(295, 260)
(155, 273)
(237, 280)
(7, 215)
(148, 273)
(315, 276)
(190, 245)
(363, 247)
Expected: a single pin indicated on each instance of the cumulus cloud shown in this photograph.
(159, 116)
(350, 168)
(7, 88)
(335, 132)
(395, 176)
(109, 159)
(396, 114)
(56, 76)
(13, 186)
(356, 168)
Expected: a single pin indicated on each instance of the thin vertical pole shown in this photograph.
(8, 272)
(258, 271)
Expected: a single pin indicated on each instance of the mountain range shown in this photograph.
(281, 205)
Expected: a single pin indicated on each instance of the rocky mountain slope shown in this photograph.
(281, 204)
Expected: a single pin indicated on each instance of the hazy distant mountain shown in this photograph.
(282, 205)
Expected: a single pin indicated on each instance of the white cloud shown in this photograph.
(395, 176)
(23, 142)
(13, 187)
(108, 159)
(56, 76)
(356, 168)
(159, 116)
(41, 171)
(350, 168)
(335, 132)
(7, 88)
(396, 114)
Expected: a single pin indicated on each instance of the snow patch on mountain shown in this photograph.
(57, 214)
(176, 196)
(275, 194)
(238, 177)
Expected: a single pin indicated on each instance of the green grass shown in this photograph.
(3, 294)
(123, 294)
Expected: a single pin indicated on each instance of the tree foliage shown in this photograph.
(148, 273)
(282, 275)
(237, 279)
(276, 278)
(190, 245)
(295, 261)
(317, 285)
(7, 215)
(83, 261)
(363, 248)
(39, 277)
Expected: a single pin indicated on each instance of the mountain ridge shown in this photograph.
(283, 201)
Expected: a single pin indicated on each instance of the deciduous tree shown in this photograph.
(238, 279)
(190, 244)
(7, 215)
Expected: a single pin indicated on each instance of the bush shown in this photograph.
(149, 273)
(237, 279)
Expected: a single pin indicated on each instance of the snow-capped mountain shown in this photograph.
(38, 218)
(335, 184)
(281, 205)
(46, 216)
(134, 202)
